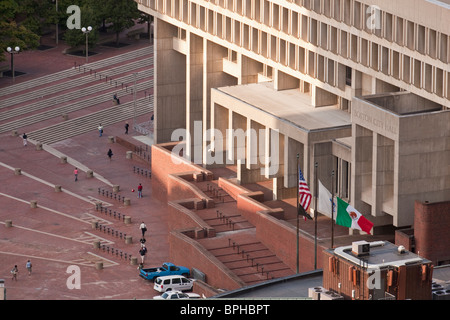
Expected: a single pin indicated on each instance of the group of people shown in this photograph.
(15, 270)
(143, 248)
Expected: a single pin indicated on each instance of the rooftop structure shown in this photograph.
(377, 270)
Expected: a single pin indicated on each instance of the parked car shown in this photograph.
(167, 283)
(174, 294)
(166, 269)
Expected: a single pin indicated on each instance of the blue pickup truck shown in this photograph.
(167, 269)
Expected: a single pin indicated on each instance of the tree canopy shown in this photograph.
(22, 22)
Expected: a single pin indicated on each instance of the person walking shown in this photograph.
(139, 190)
(14, 272)
(143, 252)
(143, 228)
(100, 130)
(28, 266)
(25, 139)
(75, 173)
(126, 127)
(110, 154)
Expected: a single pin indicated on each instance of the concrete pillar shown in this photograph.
(291, 149)
(194, 95)
(89, 174)
(127, 201)
(170, 83)
(127, 220)
(128, 239)
(63, 159)
(17, 171)
(8, 223)
(133, 261)
(14, 133)
(111, 139)
(94, 224)
(96, 244)
(116, 188)
(57, 188)
(38, 146)
(213, 77)
(129, 155)
(99, 265)
(33, 204)
(65, 117)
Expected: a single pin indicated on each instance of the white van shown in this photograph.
(167, 283)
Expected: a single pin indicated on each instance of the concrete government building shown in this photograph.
(357, 86)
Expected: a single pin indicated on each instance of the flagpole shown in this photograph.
(332, 211)
(298, 179)
(315, 215)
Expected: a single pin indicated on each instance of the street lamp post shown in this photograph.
(12, 52)
(56, 30)
(86, 32)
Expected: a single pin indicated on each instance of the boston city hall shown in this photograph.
(360, 88)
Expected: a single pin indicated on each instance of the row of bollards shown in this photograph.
(113, 214)
(112, 231)
(145, 172)
(226, 219)
(114, 195)
(245, 255)
(143, 153)
(215, 192)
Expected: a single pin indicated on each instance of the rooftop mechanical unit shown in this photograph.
(360, 248)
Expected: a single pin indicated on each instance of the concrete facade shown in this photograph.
(358, 87)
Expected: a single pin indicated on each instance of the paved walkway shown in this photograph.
(58, 233)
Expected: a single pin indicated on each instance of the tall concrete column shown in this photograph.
(291, 149)
(194, 96)
(382, 175)
(213, 77)
(237, 125)
(170, 83)
(361, 167)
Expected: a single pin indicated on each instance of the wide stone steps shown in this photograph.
(76, 106)
(105, 63)
(249, 259)
(68, 96)
(74, 84)
(58, 102)
(90, 122)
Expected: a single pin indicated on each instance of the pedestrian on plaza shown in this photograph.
(143, 228)
(116, 98)
(142, 252)
(28, 266)
(126, 127)
(140, 190)
(75, 173)
(142, 241)
(100, 130)
(14, 272)
(24, 138)
(110, 154)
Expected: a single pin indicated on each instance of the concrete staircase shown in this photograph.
(82, 89)
(90, 122)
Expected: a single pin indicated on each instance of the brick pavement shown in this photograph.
(59, 233)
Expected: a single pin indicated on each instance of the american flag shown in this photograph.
(304, 195)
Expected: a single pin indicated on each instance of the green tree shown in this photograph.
(75, 37)
(122, 14)
(13, 32)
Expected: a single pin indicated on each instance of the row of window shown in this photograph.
(312, 57)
